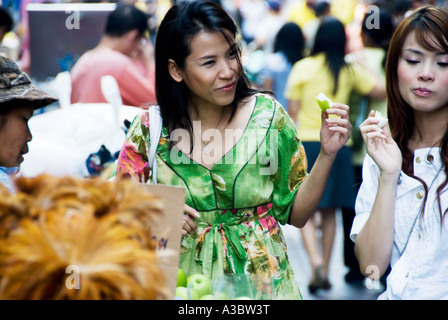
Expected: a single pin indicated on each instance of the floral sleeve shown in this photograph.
(133, 157)
(292, 167)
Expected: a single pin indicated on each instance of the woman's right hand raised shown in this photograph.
(380, 145)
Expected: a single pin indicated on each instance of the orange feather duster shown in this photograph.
(73, 238)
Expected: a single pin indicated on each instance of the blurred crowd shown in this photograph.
(259, 20)
(276, 35)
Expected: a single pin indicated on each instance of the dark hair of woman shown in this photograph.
(330, 39)
(290, 41)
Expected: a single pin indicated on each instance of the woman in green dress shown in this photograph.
(234, 150)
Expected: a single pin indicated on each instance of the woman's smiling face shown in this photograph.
(211, 69)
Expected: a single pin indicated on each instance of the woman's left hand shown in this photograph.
(189, 225)
(335, 132)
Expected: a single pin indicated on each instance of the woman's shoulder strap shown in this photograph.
(155, 130)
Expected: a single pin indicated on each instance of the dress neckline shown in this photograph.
(231, 150)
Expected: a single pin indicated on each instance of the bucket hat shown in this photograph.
(16, 88)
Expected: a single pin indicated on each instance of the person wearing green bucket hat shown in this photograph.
(19, 97)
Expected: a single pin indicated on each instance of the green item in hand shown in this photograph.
(323, 102)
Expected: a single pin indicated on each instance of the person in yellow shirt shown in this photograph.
(325, 70)
(301, 12)
(343, 10)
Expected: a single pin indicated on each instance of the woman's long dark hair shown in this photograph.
(290, 42)
(181, 23)
(330, 39)
(430, 25)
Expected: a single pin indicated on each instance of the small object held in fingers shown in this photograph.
(383, 120)
(323, 102)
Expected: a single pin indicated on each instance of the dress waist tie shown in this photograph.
(229, 234)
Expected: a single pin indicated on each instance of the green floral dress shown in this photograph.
(242, 199)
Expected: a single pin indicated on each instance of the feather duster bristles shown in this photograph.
(70, 238)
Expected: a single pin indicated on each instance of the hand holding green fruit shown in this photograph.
(323, 102)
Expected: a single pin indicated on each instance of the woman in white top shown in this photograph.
(402, 203)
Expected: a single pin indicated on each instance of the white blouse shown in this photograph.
(421, 271)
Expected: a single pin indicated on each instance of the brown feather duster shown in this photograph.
(70, 238)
